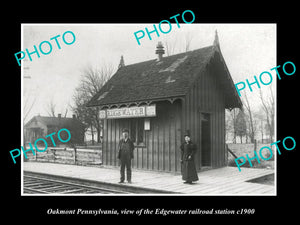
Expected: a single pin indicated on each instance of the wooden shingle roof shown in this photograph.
(173, 76)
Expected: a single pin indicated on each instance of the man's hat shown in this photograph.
(187, 133)
(125, 130)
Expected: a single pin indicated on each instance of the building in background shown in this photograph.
(40, 126)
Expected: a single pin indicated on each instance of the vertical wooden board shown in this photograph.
(140, 157)
(220, 140)
(205, 92)
(167, 120)
(196, 123)
(114, 141)
(150, 145)
(215, 106)
(137, 158)
(212, 133)
(155, 145)
(179, 133)
(144, 157)
(172, 140)
(219, 126)
(174, 132)
(200, 108)
(112, 134)
(161, 144)
(158, 147)
(109, 141)
(194, 120)
(201, 85)
(217, 140)
(222, 113)
(105, 143)
(215, 149)
(213, 128)
(153, 142)
(117, 138)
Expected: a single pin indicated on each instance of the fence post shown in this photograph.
(255, 145)
(36, 155)
(75, 153)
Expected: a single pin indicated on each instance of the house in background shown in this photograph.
(40, 126)
(158, 100)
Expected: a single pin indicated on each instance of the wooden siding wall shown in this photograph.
(161, 149)
(206, 97)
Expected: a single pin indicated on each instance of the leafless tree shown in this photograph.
(251, 120)
(27, 106)
(66, 112)
(50, 108)
(233, 114)
(188, 39)
(268, 105)
(92, 80)
(170, 47)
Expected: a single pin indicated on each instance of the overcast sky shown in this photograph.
(248, 50)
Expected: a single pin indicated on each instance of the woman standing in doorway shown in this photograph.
(188, 168)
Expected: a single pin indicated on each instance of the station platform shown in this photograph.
(221, 181)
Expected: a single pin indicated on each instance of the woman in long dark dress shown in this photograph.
(188, 168)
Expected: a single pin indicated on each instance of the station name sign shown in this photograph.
(128, 112)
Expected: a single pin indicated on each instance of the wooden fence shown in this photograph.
(75, 156)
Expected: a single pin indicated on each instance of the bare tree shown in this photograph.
(27, 106)
(268, 105)
(252, 127)
(50, 108)
(188, 39)
(66, 112)
(233, 116)
(92, 80)
(241, 127)
(260, 115)
(170, 47)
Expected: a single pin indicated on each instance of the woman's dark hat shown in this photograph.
(187, 133)
(125, 130)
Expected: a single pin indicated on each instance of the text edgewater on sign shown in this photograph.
(128, 112)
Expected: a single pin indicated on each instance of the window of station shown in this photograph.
(137, 133)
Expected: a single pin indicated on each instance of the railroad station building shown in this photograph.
(158, 100)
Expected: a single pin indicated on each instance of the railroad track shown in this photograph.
(44, 185)
(36, 183)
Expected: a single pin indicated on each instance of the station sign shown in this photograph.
(129, 112)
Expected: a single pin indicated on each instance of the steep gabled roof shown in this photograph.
(173, 76)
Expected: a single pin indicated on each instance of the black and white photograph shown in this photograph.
(106, 110)
(149, 111)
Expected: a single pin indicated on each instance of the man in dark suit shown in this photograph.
(125, 155)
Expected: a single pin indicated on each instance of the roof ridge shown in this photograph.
(165, 57)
